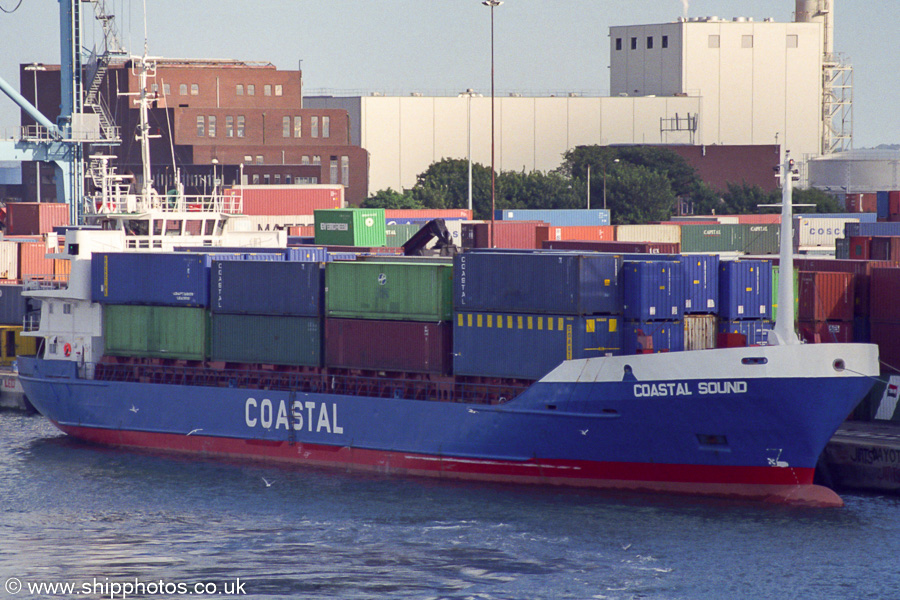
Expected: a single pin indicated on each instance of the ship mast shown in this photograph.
(783, 331)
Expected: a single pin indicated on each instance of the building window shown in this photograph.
(298, 126)
(277, 178)
(326, 127)
(255, 179)
(333, 175)
(314, 126)
(618, 43)
(345, 171)
(267, 90)
(665, 41)
(239, 89)
(259, 160)
(182, 89)
(229, 126)
(212, 126)
(201, 126)
(248, 159)
(649, 42)
(793, 41)
(285, 127)
(251, 89)
(195, 89)
(713, 41)
(317, 160)
(266, 179)
(240, 126)
(278, 90)
(304, 160)
(634, 43)
(154, 88)
(167, 89)
(287, 179)
(746, 41)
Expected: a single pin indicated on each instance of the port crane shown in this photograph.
(84, 120)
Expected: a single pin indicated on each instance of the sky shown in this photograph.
(443, 47)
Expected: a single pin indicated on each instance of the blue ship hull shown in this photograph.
(611, 422)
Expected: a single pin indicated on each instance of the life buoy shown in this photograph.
(67, 349)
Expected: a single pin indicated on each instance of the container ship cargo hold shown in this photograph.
(493, 366)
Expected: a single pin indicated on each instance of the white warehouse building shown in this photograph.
(704, 81)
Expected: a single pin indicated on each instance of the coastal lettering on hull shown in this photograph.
(299, 415)
(686, 388)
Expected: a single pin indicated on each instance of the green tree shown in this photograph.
(824, 202)
(638, 194)
(744, 198)
(390, 199)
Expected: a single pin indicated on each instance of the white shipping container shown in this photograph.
(268, 222)
(454, 226)
(816, 232)
(700, 332)
(9, 260)
(667, 234)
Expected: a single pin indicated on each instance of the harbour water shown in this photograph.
(102, 520)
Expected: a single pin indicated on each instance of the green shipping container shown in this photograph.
(712, 238)
(775, 276)
(350, 227)
(156, 331)
(761, 239)
(263, 339)
(389, 290)
(397, 235)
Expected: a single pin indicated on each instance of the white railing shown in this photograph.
(45, 282)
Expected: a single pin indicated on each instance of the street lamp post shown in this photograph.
(492, 4)
(604, 183)
(470, 93)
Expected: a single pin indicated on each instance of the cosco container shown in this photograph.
(667, 234)
(700, 331)
(400, 291)
(652, 336)
(528, 346)
(818, 232)
(265, 339)
(351, 227)
(156, 331)
(745, 289)
(537, 282)
(284, 288)
(653, 290)
(826, 296)
(712, 238)
(556, 217)
(152, 278)
(753, 329)
(409, 346)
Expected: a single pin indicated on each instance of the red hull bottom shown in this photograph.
(770, 484)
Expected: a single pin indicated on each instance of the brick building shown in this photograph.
(231, 117)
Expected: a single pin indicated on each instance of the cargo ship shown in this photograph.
(192, 352)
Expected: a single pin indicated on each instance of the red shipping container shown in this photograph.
(507, 234)
(869, 203)
(860, 247)
(894, 204)
(35, 218)
(268, 200)
(624, 247)
(861, 268)
(886, 334)
(33, 261)
(766, 219)
(826, 332)
(429, 213)
(411, 346)
(825, 296)
(575, 232)
(885, 283)
(302, 230)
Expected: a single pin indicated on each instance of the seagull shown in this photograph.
(193, 431)
(267, 482)
(626, 546)
(583, 431)
(134, 408)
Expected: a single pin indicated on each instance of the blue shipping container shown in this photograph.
(862, 216)
(528, 346)
(883, 228)
(754, 329)
(278, 288)
(556, 218)
(653, 290)
(537, 282)
(745, 289)
(667, 336)
(153, 278)
(701, 280)
(882, 204)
